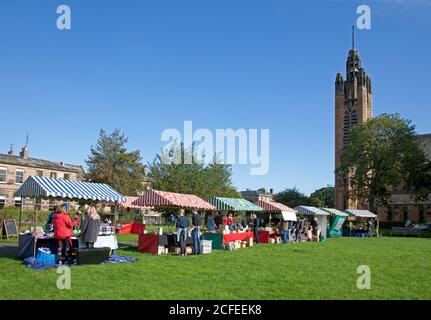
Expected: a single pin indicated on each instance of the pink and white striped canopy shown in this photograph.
(156, 198)
(271, 206)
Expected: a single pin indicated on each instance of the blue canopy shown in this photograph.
(43, 187)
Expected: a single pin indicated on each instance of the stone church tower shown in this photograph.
(353, 105)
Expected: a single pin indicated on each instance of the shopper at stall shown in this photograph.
(63, 227)
(256, 225)
(244, 222)
(370, 228)
(219, 220)
(211, 224)
(196, 221)
(182, 225)
(82, 216)
(298, 230)
(49, 226)
(377, 226)
(91, 227)
(285, 231)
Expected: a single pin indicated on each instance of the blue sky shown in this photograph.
(144, 66)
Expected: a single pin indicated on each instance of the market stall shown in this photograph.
(166, 200)
(313, 212)
(67, 190)
(232, 237)
(274, 208)
(337, 219)
(133, 226)
(358, 223)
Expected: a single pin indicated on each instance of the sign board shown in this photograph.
(338, 223)
(9, 229)
(288, 215)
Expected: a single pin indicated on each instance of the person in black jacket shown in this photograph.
(182, 224)
(256, 225)
(196, 221)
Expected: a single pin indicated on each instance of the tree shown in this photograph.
(323, 197)
(383, 155)
(109, 162)
(170, 172)
(292, 197)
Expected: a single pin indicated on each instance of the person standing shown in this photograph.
(63, 227)
(244, 222)
(285, 231)
(298, 230)
(182, 225)
(211, 224)
(196, 221)
(370, 228)
(49, 226)
(82, 217)
(377, 228)
(256, 225)
(91, 227)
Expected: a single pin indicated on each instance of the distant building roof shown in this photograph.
(40, 163)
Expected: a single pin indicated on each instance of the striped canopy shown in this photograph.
(129, 201)
(234, 204)
(335, 212)
(270, 206)
(311, 211)
(361, 213)
(156, 198)
(43, 187)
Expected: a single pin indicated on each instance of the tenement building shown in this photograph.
(15, 169)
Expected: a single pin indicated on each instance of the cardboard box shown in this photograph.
(249, 242)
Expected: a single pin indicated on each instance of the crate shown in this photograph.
(249, 242)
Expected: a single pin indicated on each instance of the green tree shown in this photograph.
(179, 170)
(110, 162)
(383, 155)
(292, 197)
(323, 197)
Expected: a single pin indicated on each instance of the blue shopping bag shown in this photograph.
(44, 256)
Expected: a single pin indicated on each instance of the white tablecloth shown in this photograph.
(103, 242)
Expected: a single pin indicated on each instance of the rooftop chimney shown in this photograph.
(11, 153)
(24, 153)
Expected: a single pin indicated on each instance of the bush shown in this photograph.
(389, 225)
(27, 217)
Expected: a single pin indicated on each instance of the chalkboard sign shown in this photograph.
(9, 228)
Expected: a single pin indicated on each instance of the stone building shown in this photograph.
(15, 169)
(258, 195)
(353, 105)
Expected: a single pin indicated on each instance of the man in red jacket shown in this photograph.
(63, 231)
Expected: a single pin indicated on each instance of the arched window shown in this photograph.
(346, 128)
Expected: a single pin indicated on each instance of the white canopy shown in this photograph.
(335, 212)
(361, 213)
(289, 215)
(311, 211)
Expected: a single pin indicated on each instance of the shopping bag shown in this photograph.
(44, 256)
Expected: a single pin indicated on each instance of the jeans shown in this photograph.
(196, 241)
(285, 235)
(370, 233)
(256, 235)
(182, 236)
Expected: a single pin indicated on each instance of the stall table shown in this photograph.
(218, 239)
(150, 242)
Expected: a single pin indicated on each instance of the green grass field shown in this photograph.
(400, 269)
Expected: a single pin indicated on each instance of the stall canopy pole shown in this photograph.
(20, 215)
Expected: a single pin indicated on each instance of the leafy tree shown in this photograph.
(292, 197)
(323, 197)
(179, 170)
(383, 155)
(110, 162)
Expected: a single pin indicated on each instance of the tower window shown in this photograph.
(346, 128)
(354, 118)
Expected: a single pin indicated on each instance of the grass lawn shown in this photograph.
(400, 269)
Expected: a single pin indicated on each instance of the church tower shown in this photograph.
(353, 105)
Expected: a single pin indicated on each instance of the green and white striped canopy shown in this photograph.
(234, 204)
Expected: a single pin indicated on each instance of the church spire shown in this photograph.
(353, 37)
